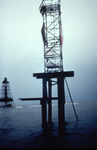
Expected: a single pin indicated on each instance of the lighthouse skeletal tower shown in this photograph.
(53, 63)
(52, 35)
(6, 96)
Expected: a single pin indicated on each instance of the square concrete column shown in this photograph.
(61, 102)
(49, 102)
(44, 104)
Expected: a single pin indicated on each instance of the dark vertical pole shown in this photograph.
(44, 109)
(6, 95)
(49, 102)
(61, 100)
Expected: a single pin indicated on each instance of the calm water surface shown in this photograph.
(20, 127)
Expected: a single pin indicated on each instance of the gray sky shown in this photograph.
(21, 47)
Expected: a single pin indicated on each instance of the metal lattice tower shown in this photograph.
(52, 35)
(53, 64)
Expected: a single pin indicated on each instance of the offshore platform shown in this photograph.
(6, 99)
(53, 63)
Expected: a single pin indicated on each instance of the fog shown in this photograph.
(21, 47)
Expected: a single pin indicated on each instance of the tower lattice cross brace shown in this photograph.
(52, 35)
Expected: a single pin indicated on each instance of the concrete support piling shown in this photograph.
(49, 102)
(61, 102)
(44, 105)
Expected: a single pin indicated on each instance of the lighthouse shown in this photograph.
(6, 99)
